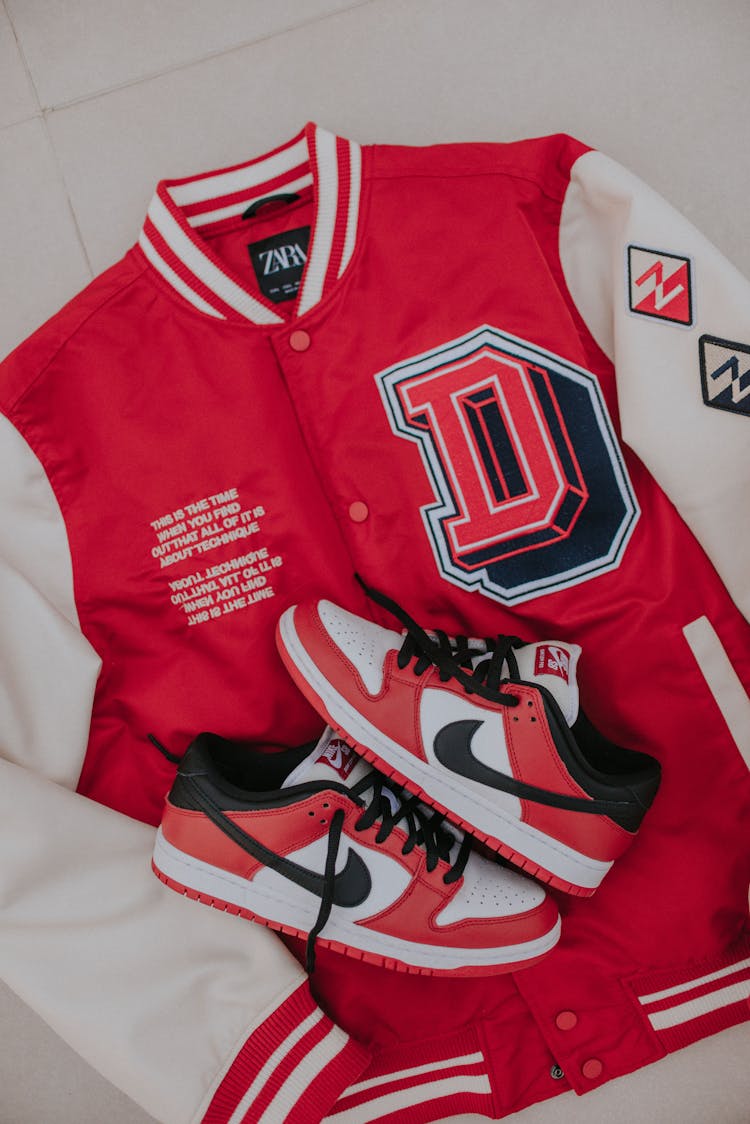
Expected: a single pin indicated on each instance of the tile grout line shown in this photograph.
(22, 56)
(46, 111)
(68, 200)
(176, 67)
(26, 69)
(42, 116)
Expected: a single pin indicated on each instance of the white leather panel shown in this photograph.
(491, 890)
(364, 643)
(488, 745)
(389, 877)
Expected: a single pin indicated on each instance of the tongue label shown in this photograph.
(339, 755)
(551, 660)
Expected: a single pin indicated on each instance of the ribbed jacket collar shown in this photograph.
(182, 210)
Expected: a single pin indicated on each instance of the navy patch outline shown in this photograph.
(706, 375)
(444, 505)
(691, 285)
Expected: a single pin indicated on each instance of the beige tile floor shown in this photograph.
(99, 99)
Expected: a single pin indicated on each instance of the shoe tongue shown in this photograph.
(553, 665)
(332, 759)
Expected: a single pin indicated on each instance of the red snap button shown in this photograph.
(299, 340)
(592, 1069)
(566, 1020)
(358, 511)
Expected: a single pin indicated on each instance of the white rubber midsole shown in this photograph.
(232, 888)
(463, 798)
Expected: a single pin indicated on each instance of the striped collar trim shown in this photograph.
(181, 209)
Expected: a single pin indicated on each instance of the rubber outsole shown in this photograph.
(344, 949)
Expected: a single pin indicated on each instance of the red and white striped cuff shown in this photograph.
(291, 1069)
(681, 1009)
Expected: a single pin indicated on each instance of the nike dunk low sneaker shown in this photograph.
(325, 849)
(490, 733)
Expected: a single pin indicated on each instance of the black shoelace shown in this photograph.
(424, 828)
(452, 657)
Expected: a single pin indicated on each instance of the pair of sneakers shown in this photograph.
(365, 840)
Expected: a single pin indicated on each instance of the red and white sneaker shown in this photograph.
(330, 851)
(490, 733)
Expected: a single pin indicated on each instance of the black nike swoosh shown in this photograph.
(452, 745)
(351, 886)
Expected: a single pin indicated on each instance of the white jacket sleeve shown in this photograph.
(673, 315)
(195, 1016)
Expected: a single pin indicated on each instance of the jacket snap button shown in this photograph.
(299, 340)
(566, 1020)
(592, 1069)
(358, 511)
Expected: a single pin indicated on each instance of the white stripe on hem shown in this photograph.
(694, 1008)
(655, 996)
(406, 1098)
(399, 1075)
